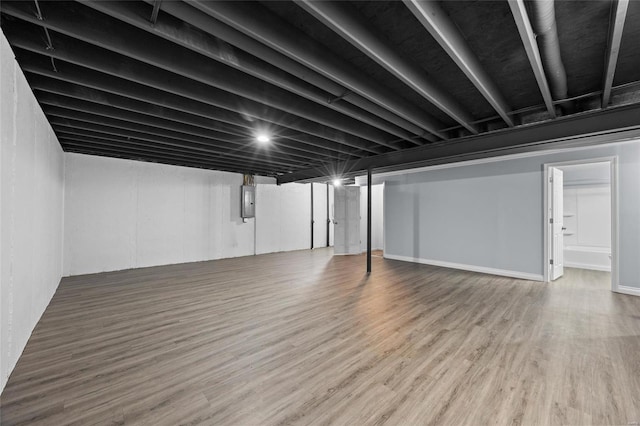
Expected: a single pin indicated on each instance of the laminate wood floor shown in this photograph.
(308, 338)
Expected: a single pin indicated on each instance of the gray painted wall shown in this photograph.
(491, 215)
(586, 174)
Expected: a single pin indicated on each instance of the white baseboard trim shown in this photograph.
(587, 266)
(472, 268)
(633, 291)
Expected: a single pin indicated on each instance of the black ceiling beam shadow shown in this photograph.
(165, 58)
(76, 82)
(89, 67)
(202, 40)
(563, 132)
(74, 124)
(96, 109)
(142, 123)
(67, 140)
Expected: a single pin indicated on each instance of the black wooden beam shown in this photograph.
(163, 121)
(69, 141)
(222, 142)
(154, 159)
(563, 132)
(203, 37)
(156, 58)
(82, 83)
(108, 131)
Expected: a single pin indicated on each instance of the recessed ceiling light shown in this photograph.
(336, 182)
(263, 138)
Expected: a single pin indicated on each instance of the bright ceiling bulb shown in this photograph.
(263, 138)
(336, 182)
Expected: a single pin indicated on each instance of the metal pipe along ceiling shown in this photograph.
(543, 19)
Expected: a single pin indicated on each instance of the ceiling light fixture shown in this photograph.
(263, 138)
(336, 182)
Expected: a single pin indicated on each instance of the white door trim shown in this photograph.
(615, 263)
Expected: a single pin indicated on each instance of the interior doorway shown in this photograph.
(580, 200)
(346, 220)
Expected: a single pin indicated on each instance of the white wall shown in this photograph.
(124, 214)
(320, 214)
(377, 216)
(283, 217)
(31, 210)
(586, 174)
(490, 216)
(587, 216)
(331, 214)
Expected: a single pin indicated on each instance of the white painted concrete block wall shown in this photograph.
(31, 210)
(283, 217)
(124, 214)
(320, 214)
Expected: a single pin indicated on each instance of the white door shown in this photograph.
(346, 219)
(556, 222)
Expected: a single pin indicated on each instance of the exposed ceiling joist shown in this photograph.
(224, 32)
(165, 57)
(51, 98)
(519, 11)
(340, 19)
(563, 132)
(82, 84)
(97, 112)
(445, 32)
(121, 76)
(174, 30)
(618, 17)
(110, 130)
(194, 82)
(78, 141)
(149, 156)
(259, 23)
(277, 154)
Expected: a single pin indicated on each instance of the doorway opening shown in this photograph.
(350, 219)
(580, 219)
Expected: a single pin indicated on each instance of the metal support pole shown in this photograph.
(328, 218)
(368, 220)
(312, 221)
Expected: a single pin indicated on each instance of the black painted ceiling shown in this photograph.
(193, 83)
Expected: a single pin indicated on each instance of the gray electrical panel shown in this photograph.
(248, 208)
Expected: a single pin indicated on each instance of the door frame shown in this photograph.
(613, 169)
(346, 189)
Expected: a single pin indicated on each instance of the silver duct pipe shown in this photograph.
(543, 20)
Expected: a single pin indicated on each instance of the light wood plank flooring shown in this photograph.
(308, 338)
